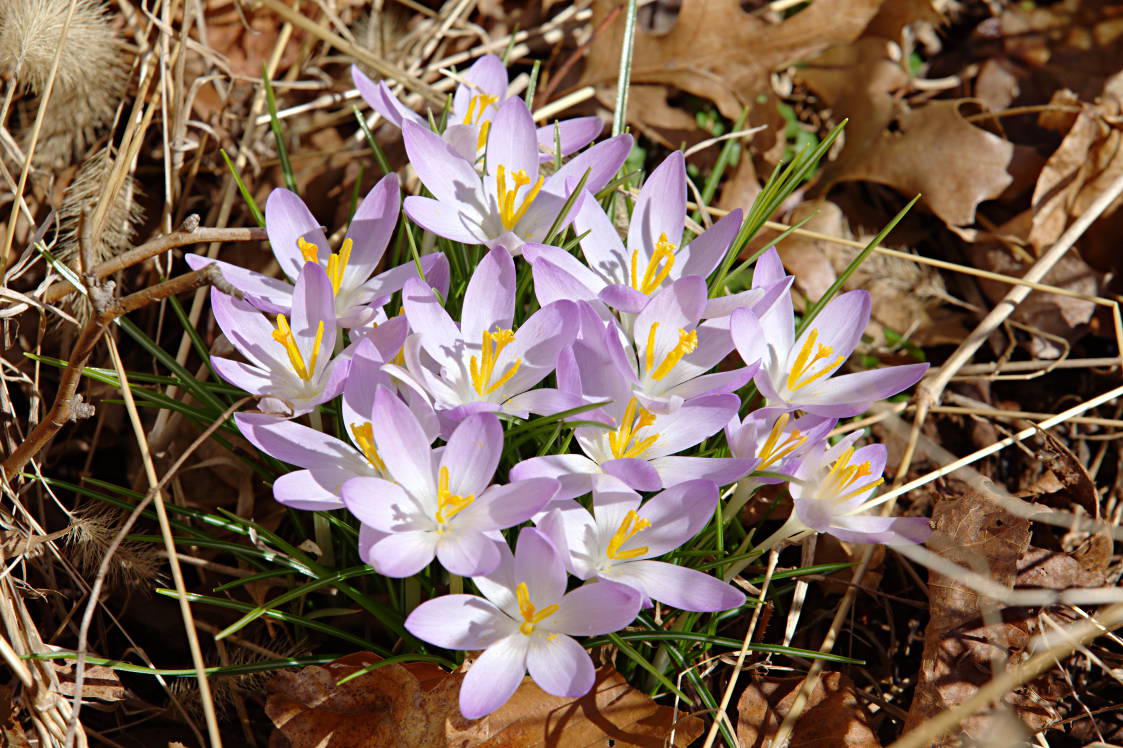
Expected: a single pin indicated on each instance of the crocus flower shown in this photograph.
(512, 202)
(477, 99)
(617, 541)
(438, 503)
(832, 493)
(485, 363)
(774, 440)
(525, 621)
(296, 238)
(290, 364)
(625, 275)
(797, 373)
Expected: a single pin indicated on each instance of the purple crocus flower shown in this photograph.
(618, 540)
(774, 440)
(525, 621)
(797, 373)
(477, 99)
(296, 238)
(484, 364)
(625, 275)
(290, 365)
(329, 462)
(832, 492)
(438, 503)
(512, 202)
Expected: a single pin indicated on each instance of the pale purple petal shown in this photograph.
(382, 100)
(459, 622)
(674, 469)
(693, 422)
(313, 303)
(537, 344)
(573, 472)
(539, 565)
(429, 319)
(402, 444)
(288, 219)
(701, 256)
(437, 217)
(542, 402)
(450, 179)
(295, 443)
(573, 134)
(595, 608)
(679, 587)
(749, 337)
(270, 295)
(468, 554)
(371, 228)
(242, 375)
(660, 208)
(723, 306)
(840, 325)
(506, 506)
(249, 331)
(602, 161)
(489, 300)
(676, 515)
(512, 143)
(487, 75)
(851, 394)
(624, 298)
(382, 505)
(311, 491)
(560, 666)
(637, 474)
(600, 244)
(494, 677)
(403, 554)
(867, 529)
(472, 454)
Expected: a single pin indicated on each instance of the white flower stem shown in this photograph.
(789, 529)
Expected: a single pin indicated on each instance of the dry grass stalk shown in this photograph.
(91, 77)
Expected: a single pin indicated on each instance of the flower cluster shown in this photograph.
(627, 335)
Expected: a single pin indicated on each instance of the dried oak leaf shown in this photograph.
(612, 713)
(386, 706)
(719, 52)
(833, 717)
(959, 646)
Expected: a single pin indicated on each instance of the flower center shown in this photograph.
(658, 266)
(531, 615)
(448, 503)
(481, 368)
(687, 342)
(841, 484)
(283, 335)
(476, 107)
(810, 355)
(774, 450)
(628, 529)
(508, 213)
(337, 262)
(622, 441)
(364, 437)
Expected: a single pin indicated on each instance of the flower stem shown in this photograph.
(790, 528)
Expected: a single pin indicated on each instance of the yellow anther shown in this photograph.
(476, 107)
(283, 335)
(482, 368)
(310, 251)
(531, 616)
(841, 483)
(481, 139)
(622, 441)
(363, 433)
(337, 265)
(508, 213)
(773, 450)
(658, 267)
(448, 503)
(687, 342)
(628, 529)
(800, 375)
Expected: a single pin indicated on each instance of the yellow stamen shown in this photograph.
(771, 452)
(508, 214)
(628, 529)
(800, 376)
(841, 483)
(658, 266)
(482, 368)
(482, 101)
(621, 440)
(283, 335)
(448, 503)
(364, 437)
(481, 140)
(337, 261)
(309, 250)
(687, 342)
(531, 616)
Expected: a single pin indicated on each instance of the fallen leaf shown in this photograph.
(832, 718)
(613, 713)
(99, 684)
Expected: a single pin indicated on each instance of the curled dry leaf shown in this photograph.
(833, 717)
(417, 705)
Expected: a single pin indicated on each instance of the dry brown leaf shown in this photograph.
(833, 717)
(417, 705)
(719, 52)
(99, 683)
(959, 647)
(613, 713)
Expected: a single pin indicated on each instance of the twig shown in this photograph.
(68, 405)
(181, 238)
